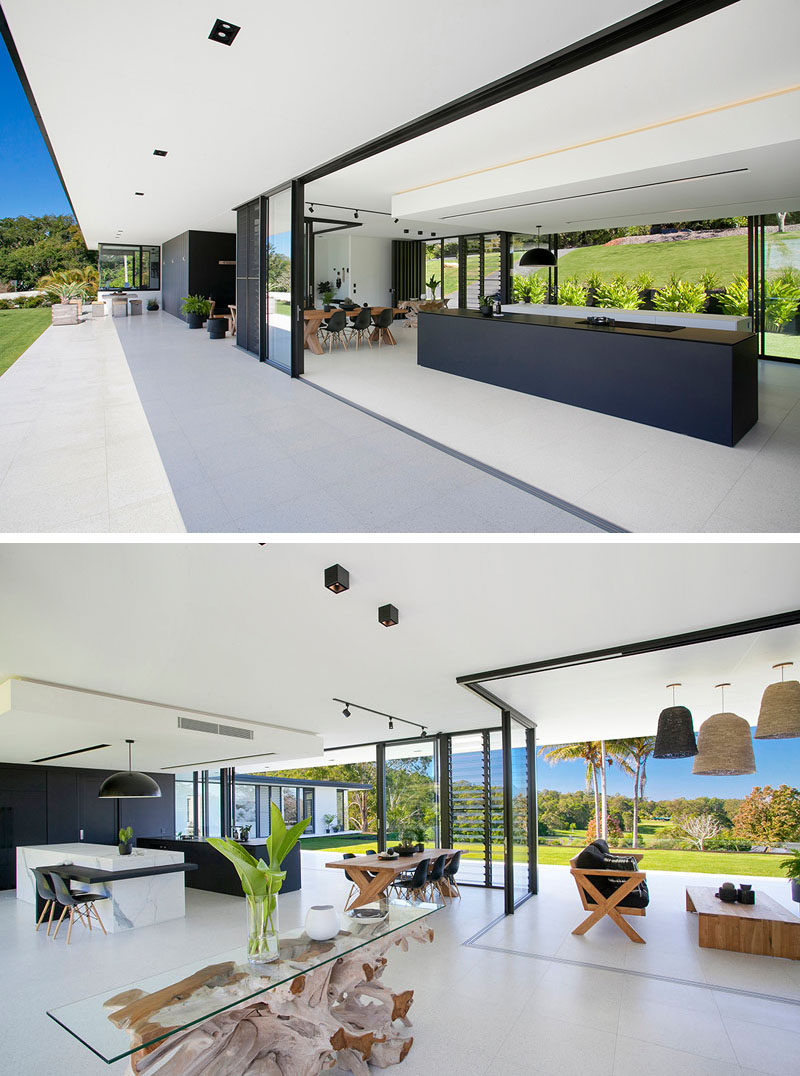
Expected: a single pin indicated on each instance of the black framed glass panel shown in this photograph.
(278, 279)
(122, 267)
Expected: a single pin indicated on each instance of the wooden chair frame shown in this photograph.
(600, 906)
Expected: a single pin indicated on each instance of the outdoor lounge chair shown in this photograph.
(609, 885)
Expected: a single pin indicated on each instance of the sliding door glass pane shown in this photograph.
(469, 807)
(184, 806)
(519, 809)
(244, 810)
(278, 257)
(491, 265)
(782, 270)
(412, 793)
(290, 806)
(496, 812)
(449, 289)
(214, 804)
(472, 270)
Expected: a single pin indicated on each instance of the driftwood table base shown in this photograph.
(340, 1014)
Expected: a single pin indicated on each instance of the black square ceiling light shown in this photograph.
(160, 152)
(224, 32)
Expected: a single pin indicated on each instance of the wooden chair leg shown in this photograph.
(47, 904)
(58, 925)
(50, 920)
(71, 921)
(93, 906)
(625, 926)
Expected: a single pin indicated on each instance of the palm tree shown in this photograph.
(585, 751)
(632, 755)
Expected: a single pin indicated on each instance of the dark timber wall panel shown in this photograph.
(206, 276)
(408, 269)
(248, 288)
(52, 804)
(175, 274)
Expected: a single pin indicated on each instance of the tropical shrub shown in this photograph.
(618, 294)
(683, 295)
(782, 298)
(529, 289)
(196, 304)
(57, 285)
(34, 301)
(735, 301)
(709, 279)
(7, 304)
(613, 828)
(571, 293)
(644, 281)
(594, 280)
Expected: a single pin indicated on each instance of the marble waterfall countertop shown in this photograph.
(134, 902)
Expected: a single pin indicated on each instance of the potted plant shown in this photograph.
(125, 841)
(485, 305)
(433, 284)
(328, 820)
(261, 883)
(325, 291)
(152, 304)
(792, 868)
(196, 309)
(244, 833)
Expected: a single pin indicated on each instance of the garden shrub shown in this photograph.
(34, 301)
(685, 296)
(619, 294)
(7, 304)
(571, 293)
(529, 289)
(709, 279)
(734, 302)
(644, 281)
(782, 298)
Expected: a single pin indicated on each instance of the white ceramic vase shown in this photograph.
(322, 922)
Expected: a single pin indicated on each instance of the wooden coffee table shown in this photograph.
(765, 928)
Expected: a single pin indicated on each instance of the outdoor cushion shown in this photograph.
(593, 858)
(637, 898)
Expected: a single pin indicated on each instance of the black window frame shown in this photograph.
(132, 247)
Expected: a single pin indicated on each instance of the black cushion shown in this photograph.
(592, 858)
(601, 844)
(637, 898)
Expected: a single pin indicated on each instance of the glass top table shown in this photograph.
(163, 1004)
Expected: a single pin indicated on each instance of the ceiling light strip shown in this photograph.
(66, 754)
(594, 194)
(214, 761)
(772, 94)
(380, 713)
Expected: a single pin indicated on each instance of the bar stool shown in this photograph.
(48, 895)
(76, 904)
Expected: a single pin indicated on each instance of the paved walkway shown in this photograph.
(76, 452)
(247, 449)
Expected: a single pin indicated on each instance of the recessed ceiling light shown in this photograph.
(223, 32)
(139, 194)
(160, 152)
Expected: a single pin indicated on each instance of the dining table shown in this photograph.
(313, 319)
(374, 874)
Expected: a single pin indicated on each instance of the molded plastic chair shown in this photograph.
(417, 883)
(77, 904)
(435, 874)
(359, 326)
(450, 872)
(48, 895)
(335, 327)
(381, 323)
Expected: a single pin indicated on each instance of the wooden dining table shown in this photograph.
(374, 875)
(313, 319)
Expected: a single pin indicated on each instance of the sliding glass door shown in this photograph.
(278, 291)
(411, 792)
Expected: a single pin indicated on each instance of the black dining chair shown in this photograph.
(381, 323)
(435, 875)
(48, 895)
(359, 326)
(79, 904)
(334, 327)
(416, 883)
(450, 872)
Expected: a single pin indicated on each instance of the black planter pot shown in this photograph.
(647, 295)
(216, 328)
(125, 848)
(796, 890)
(591, 293)
(487, 311)
(195, 321)
(326, 307)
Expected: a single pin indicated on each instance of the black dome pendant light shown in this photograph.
(129, 784)
(538, 255)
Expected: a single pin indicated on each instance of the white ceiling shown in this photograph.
(301, 84)
(250, 632)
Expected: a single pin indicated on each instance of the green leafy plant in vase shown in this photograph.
(125, 838)
(261, 883)
(433, 284)
(792, 868)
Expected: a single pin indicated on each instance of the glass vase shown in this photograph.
(262, 929)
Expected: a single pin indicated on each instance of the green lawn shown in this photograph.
(18, 330)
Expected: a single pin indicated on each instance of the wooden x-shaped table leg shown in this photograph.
(370, 888)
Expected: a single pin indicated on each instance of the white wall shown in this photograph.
(364, 265)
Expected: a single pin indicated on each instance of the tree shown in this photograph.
(362, 803)
(781, 221)
(31, 247)
(699, 828)
(632, 755)
(279, 269)
(585, 751)
(769, 815)
(613, 829)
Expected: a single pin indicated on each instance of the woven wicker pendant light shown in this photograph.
(779, 717)
(675, 735)
(724, 745)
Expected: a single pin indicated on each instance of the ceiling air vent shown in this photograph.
(192, 724)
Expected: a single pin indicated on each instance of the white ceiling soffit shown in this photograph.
(251, 632)
(239, 120)
(660, 110)
(624, 696)
(39, 720)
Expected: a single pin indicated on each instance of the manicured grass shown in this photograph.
(340, 843)
(18, 330)
(730, 864)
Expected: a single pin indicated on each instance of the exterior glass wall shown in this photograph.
(781, 337)
(411, 786)
(278, 283)
(519, 810)
(127, 267)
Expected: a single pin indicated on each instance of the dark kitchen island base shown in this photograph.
(217, 874)
(699, 382)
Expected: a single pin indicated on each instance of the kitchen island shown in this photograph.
(700, 382)
(153, 897)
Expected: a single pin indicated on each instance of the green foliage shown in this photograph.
(279, 270)
(593, 280)
(792, 866)
(644, 280)
(258, 878)
(18, 330)
(618, 294)
(34, 301)
(571, 292)
(7, 304)
(30, 247)
(782, 298)
(125, 834)
(484, 300)
(709, 279)
(324, 287)
(735, 301)
(433, 284)
(769, 815)
(683, 295)
(529, 289)
(196, 304)
(66, 284)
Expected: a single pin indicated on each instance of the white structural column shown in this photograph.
(133, 902)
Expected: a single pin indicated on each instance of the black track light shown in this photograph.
(356, 214)
(311, 207)
(346, 711)
(391, 723)
(337, 579)
(424, 732)
(395, 220)
(388, 616)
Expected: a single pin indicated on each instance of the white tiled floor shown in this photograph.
(476, 1010)
(640, 478)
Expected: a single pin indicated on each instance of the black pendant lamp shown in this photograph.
(538, 255)
(129, 784)
(675, 736)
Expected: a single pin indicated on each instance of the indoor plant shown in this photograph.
(152, 304)
(792, 868)
(261, 883)
(485, 305)
(125, 839)
(196, 309)
(433, 284)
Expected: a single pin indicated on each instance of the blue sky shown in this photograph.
(29, 183)
(777, 763)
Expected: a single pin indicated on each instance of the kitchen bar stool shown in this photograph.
(48, 895)
(76, 904)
